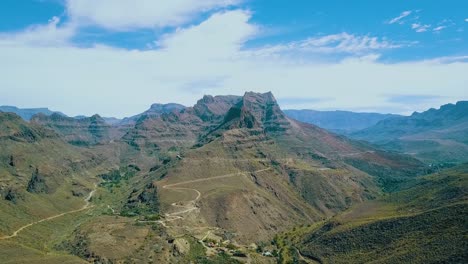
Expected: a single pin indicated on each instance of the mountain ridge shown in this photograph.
(436, 134)
(338, 121)
(28, 113)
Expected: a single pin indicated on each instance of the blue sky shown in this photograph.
(116, 57)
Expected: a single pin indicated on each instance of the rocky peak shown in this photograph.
(211, 108)
(156, 110)
(97, 118)
(257, 110)
(164, 108)
(207, 99)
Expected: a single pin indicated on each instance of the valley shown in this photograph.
(232, 179)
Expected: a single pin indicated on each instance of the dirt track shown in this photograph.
(191, 204)
(86, 206)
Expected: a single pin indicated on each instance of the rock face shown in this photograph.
(259, 111)
(213, 108)
(37, 184)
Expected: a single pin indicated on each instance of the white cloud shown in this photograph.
(448, 59)
(220, 35)
(130, 14)
(342, 43)
(466, 19)
(50, 34)
(212, 56)
(439, 28)
(346, 43)
(420, 27)
(400, 17)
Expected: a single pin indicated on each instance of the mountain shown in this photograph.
(436, 135)
(422, 223)
(278, 170)
(28, 113)
(80, 132)
(154, 134)
(179, 185)
(342, 122)
(40, 174)
(155, 110)
(113, 121)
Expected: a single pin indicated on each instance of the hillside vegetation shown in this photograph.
(423, 223)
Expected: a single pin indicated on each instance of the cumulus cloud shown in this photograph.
(50, 34)
(399, 18)
(222, 34)
(212, 56)
(131, 14)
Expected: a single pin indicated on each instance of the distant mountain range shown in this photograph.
(28, 113)
(433, 135)
(342, 122)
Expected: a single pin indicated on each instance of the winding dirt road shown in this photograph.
(86, 206)
(306, 260)
(191, 204)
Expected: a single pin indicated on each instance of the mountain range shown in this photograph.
(232, 179)
(341, 122)
(434, 135)
(27, 113)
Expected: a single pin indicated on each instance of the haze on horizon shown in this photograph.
(118, 57)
